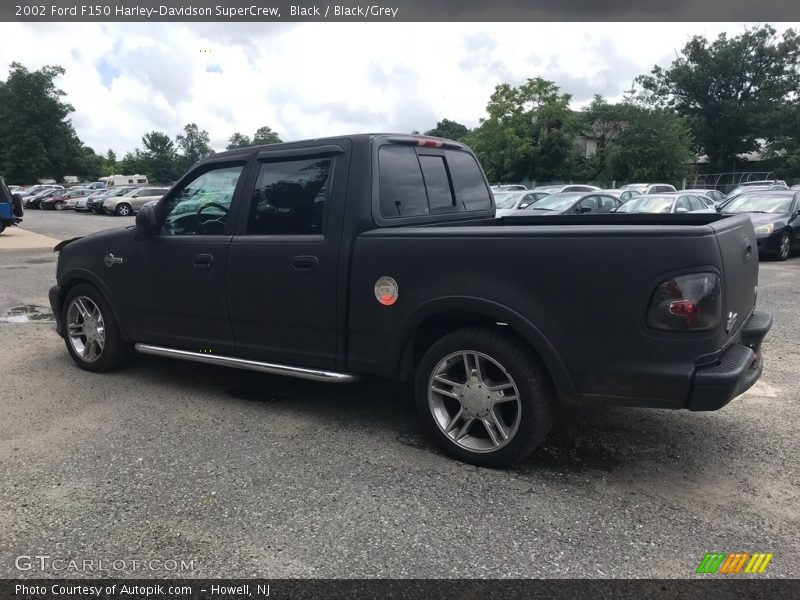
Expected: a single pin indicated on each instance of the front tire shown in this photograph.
(784, 246)
(91, 332)
(123, 210)
(58, 205)
(483, 397)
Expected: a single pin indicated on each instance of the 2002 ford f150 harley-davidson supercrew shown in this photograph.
(381, 255)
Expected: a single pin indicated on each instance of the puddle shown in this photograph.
(27, 313)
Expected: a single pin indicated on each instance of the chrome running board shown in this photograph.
(250, 365)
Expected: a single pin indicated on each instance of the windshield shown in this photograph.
(506, 199)
(762, 203)
(555, 202)
(648, 204)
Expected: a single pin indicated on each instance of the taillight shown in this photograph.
(429, 143)
(686, 303)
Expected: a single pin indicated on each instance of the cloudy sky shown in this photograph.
(318, 79)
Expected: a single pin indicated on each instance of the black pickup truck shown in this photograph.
(336, 258)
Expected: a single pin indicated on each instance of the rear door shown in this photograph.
(283, 261)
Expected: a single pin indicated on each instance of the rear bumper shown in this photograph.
(735, 371)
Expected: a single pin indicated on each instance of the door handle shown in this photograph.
(203, 261)
(305, 263)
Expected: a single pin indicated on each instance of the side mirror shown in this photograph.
(584, 209)
(681, 210)
(147, 221)
(524, 205)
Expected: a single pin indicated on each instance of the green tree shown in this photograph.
(36, 137)
(133, 163)
(160, 157)
(265, 135)
(635, 143)
(529, 133)
(195, 144)
(732, 90)
(451, 130)
(238, 140)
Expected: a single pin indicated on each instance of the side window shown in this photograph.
(289, 197)
(607, 203)
(682, 203)
(401, 187)
(201, 206)
(591, 203)
(696, 203)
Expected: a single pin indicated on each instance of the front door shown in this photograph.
(283, 261)
(179, 296)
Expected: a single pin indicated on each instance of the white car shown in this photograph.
(571, 187)
(650, 188)
(666, 203)
(507, 203)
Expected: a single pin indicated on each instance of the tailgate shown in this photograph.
(737, 245)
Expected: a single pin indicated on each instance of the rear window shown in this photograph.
(414, 185)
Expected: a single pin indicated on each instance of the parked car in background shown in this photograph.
(572, 187)
(666, 203)
(64, 201)
(10, 207)
(776, 218)
(622, 195)
(569, 203)
(795, 188)
(34, 200)
(508, 187)
(132, 201)
(715, 196)
(13, 188)
(650, 188)
(96, 185)
(508, 202)
(35, 189)
(751, 188)
(95, 203)
(763, 184)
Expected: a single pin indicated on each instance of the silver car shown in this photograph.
(666, 203)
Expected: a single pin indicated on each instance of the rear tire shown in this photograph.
(2, 227)
(483, 397)
(91, 331)
(16, 204)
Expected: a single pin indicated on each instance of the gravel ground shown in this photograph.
(252, 475)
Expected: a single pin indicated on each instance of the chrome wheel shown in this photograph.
(474, 401)
(785, 246)
(85, 328)
(123, 210)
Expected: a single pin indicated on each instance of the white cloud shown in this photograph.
(317, 79)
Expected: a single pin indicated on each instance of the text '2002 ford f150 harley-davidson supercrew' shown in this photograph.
(381, 255)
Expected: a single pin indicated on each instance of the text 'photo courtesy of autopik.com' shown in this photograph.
(442, 299)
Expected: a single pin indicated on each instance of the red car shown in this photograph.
(59, 201)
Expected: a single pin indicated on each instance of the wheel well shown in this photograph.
(65, 290)
(437, 326)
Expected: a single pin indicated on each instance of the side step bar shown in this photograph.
(250, 365)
